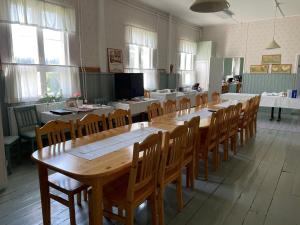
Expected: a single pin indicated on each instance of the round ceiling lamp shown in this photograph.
(209, 6)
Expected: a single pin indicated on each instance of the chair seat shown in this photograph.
(10, 140)
(116, 192)
(28, 134)
(64, 183)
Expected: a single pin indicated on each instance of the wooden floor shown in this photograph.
(260, 185)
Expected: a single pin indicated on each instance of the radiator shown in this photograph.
(43, 107)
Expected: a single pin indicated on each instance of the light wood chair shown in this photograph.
(119, 118)
(234, 126)
(170, 167)
(223, 125)
(189, 158)
(184, 103)
(170, 106)
(130, 191)
(205, 98)
(91, 123)
(55, 131)
(154, 110)
(210, 144)
(251, 117)
(257, 102)
(215, 97)
(146, 94)
(199, 100)
(244, 123)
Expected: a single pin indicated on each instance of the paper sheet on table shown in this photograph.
(109, 145)
(203, 115)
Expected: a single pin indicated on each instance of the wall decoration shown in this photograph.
(271, 59)
(282, 68)
(115, 60)
(259, 69)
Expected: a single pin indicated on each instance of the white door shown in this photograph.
(215, 76)
(3, 175)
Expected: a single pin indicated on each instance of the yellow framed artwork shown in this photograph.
(259, 69)
(282, 68)
(271, 59)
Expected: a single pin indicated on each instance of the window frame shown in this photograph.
(140, 54)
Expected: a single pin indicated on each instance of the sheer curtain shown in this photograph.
(141, 48)
(186, 52)
(26, 80)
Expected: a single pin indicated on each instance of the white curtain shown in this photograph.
(202, 74)
(187, 47)
(141, 37)
(23, 83)
(38, 13)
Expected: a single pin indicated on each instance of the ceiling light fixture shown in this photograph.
(209, 6)
(274, 44)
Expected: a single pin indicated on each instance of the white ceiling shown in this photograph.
(244, 10)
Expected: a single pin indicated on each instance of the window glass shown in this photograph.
(54, 47)
(25, 45)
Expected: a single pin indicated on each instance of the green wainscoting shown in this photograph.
(259, 83)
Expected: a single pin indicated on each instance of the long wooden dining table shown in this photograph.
(101, 170)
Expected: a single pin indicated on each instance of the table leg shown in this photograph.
(279, 115)
(272, 114)
(44, 190)
(96, 200)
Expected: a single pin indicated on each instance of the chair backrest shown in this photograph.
(146, 94)
(154, 110)
(205, 98)
(170, 106)
(184, 103)
(199, 100)
(192, 135)
(145, 164)
(118, 118)
(222, 123)
(257, 102)
(174, 149)
(27, 118)
(229, 117)
(55, 131)
(212, 134)
(215, 97)
(91, 123)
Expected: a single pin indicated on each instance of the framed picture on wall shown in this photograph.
(282, 68)
(271, 59)
(115, 60)
(259, 69)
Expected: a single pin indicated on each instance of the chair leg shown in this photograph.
(161, 213)
(153, 202)
(85, 194)
(78, 197)
(179, 194)
(242, 136)
(130, 216)
(8, 158)
(215, 159)
(225, 156)
(206, 168)
(72, 210)
(192, 176)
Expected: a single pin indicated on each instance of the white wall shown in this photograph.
(108, 30)
(250, 40)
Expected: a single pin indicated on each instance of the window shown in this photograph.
(25, 45)
(186, 61)
(140, 57)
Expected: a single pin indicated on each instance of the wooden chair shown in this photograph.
(244, 123)
(199, 100)
(251, 117)
(170, 167)
(184, 103)
(170, 106)
(119, 118)
(154, 110)
(130, 191)
(189, 158)
(91, 123)
(27, 120)
(146, 94)
(223, 125)
(215, 97)
(11, 145)
(257, 102)
(205, 98)
(210, 144)
(234, 126)
(55, 131)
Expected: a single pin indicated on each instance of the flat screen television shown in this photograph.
(129, 85)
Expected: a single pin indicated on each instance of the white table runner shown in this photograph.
(109, 145)
(228, 103)
(203, 115)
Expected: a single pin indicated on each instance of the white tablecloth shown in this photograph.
(48, 116)
(136, 107)
(279, 102)
(237, 96)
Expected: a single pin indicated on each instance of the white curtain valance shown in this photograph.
(141, 37)
(38, 13)
(187, 47)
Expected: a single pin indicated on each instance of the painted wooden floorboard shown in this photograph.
(258, 186)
